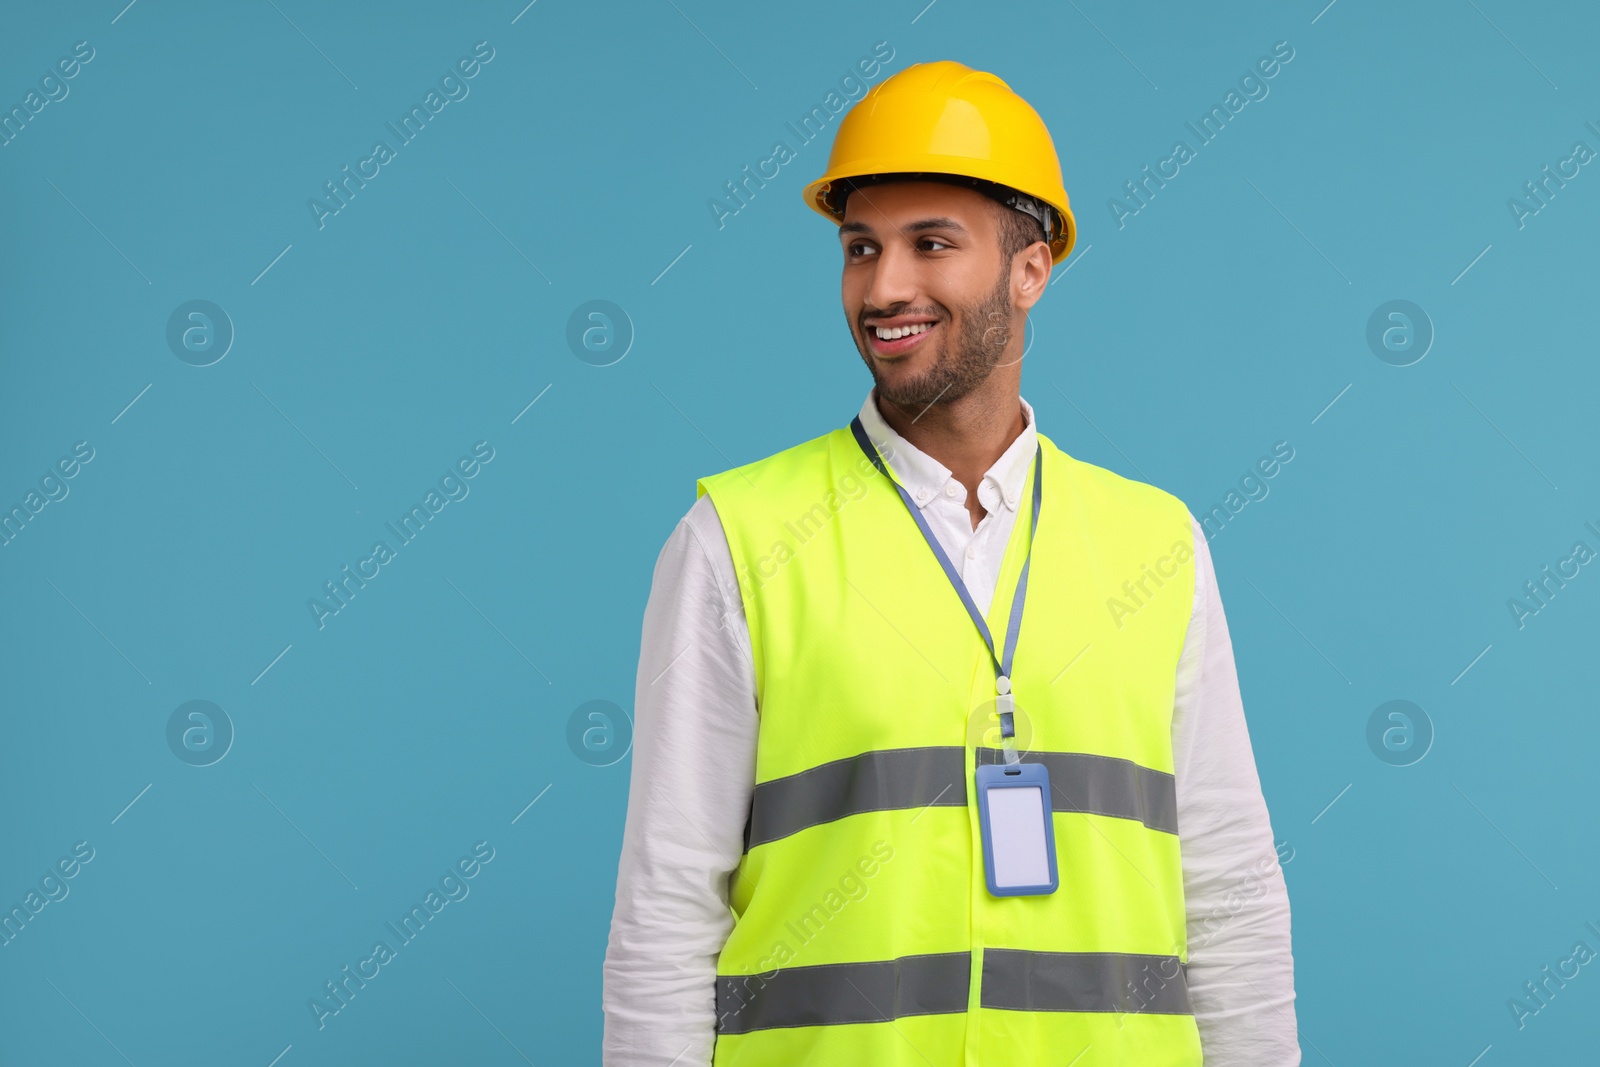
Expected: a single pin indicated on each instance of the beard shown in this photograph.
(982, 331)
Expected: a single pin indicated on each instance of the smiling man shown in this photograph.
(874, 818)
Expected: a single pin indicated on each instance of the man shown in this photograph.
(825, 861)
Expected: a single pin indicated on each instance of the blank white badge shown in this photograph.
(1016, 832)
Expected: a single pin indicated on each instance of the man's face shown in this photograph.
(926, 255)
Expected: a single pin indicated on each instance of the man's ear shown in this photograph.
(1030, 273)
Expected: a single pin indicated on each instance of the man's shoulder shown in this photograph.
(775, 473)
(1106, 484)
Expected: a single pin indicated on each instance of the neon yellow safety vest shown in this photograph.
(864, 933)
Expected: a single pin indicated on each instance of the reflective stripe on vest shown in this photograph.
(863, 929)
(879, 990)
(917, 777)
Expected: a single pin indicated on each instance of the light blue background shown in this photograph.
(427, 715)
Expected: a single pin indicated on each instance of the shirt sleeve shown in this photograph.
(1241, 970)
(689, 795)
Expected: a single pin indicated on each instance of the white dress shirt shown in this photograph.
(693, 774)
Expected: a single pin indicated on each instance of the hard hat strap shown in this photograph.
(1034, 207)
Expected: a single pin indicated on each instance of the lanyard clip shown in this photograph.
(1005, 706)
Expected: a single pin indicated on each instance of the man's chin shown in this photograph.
(901, 382)
(907, 392)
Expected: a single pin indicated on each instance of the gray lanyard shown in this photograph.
(1005, 700)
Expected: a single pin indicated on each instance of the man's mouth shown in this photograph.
(891, 341)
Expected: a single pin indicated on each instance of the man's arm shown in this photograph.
(693, 771)
(1241, 971)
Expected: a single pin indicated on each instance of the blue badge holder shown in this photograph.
(997, 776)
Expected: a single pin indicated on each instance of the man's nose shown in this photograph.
(894, 277)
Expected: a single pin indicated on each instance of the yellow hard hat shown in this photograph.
(946, 119)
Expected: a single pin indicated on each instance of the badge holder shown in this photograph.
(1014, 815)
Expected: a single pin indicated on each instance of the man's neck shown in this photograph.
(967, 436)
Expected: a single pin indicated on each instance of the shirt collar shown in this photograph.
(924, 477)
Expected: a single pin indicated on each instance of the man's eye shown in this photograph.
(858, 248)
(934, 241)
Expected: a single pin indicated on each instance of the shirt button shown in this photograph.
(952, 490)
(972, 551)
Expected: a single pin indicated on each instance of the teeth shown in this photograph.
(902, 331)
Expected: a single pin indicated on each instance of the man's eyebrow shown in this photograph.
(939, 222)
